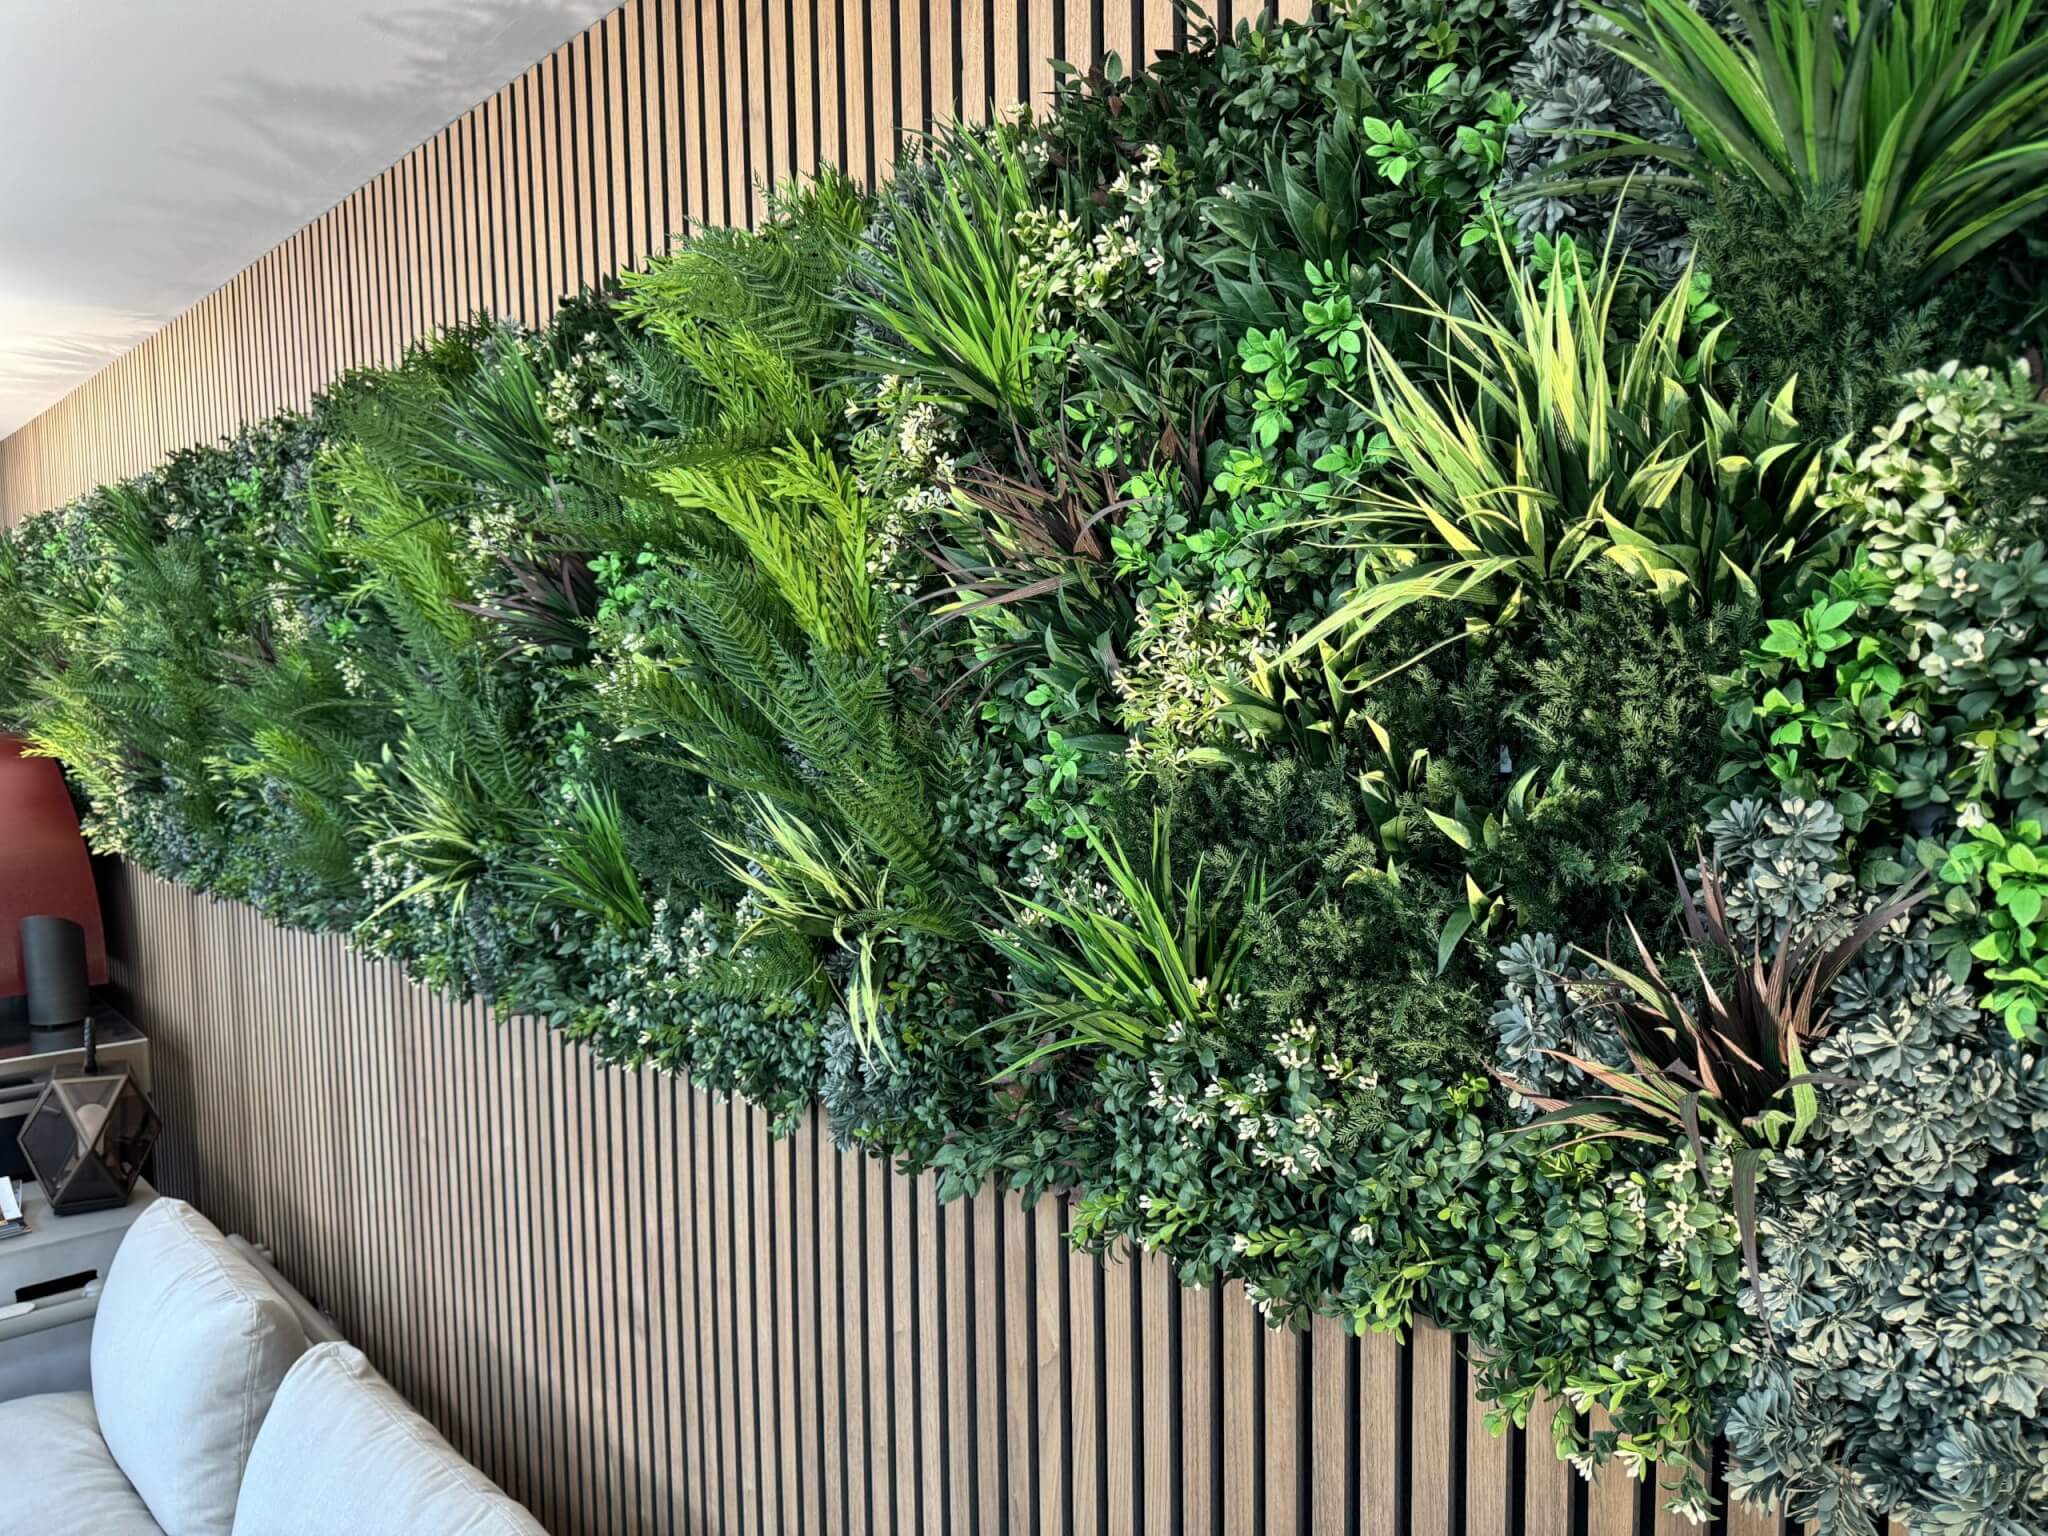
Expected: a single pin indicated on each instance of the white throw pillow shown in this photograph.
(342, 1454)
(187, 1352)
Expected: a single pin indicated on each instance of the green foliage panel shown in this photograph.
(1274, 648)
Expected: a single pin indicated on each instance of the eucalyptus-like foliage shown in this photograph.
(1895, 1357)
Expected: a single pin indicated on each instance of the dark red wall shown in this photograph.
(43, 864)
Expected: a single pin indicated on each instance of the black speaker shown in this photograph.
(53, 966)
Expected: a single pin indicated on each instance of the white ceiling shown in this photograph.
(150, 149)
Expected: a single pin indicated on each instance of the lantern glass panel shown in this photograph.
(87, 1139)
(50, 1141)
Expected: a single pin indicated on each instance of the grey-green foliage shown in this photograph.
(860, 1088)
(1780, 860)
(1538, 1015)
(1899, 1366)
(1573, 91)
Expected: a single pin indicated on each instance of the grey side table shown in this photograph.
(61, 1264)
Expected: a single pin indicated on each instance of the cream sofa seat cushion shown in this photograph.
(60, 1478)
(342, 1454)
(187, 1352)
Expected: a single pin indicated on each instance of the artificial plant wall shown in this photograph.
(1403, 649)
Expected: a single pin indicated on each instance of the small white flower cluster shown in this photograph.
(1294, 1045)
(901, 437)
(675, 955)
(1688, 1202)
(1083, 275)
(1188, 654)
(1050, 882)
(491, 531)
(1260, 1298)
(1278, 1121)
(921, 437)
(1138, 191)
(1079, 276)
(178, 518)
(590, 384)
(905, 449)
(287, 623)
(385, 876)
(1635, 1198)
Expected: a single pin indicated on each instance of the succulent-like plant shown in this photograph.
(1736, 1060)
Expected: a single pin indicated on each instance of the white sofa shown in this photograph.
(212, 1413)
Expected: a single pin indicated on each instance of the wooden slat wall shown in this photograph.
(664, 112)
(639, 1313)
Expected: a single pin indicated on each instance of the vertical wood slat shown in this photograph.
(1547, 1481)
(1487, 1472)
(1240, 1409)
(1282, 1429)
(1050, 1381)
(902, 1381)
(1434, 1389)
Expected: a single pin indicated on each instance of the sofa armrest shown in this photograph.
(18, 1322)
(319, 1328)
(46, 1346)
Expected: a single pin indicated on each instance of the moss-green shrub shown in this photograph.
(1799, 304)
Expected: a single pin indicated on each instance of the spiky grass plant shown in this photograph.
(1546, 445)
(1125, 967)
(951, 305)
(1934, 113)
(586, 867)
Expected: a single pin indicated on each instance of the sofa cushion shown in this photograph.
(342, 1454)
(61, 1479)
(187, 1352)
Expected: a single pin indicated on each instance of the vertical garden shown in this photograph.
(1405, 651)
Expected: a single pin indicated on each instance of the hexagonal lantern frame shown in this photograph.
(87, 1139)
